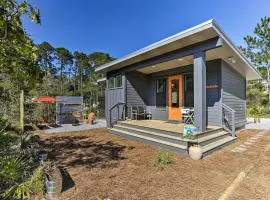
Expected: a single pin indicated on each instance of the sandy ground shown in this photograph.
(101, 166)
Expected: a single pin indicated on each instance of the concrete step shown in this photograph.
(150, 140)
(208, 139)
(169, 138)
(212, 147)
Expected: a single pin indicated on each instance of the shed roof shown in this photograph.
(196, 34)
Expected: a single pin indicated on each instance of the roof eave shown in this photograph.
(208, 24)
(236, 49)
(155, 45)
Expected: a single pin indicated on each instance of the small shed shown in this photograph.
(69, 109)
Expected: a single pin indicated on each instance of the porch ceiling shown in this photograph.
(184, 61)
(224, 53)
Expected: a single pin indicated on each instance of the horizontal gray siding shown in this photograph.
(137, 89)
(158, 113)
(234, 93)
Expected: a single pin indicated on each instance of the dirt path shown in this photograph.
(101, 165)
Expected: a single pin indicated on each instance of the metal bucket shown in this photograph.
(50, 189)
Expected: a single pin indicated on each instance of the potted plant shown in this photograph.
(195, 151)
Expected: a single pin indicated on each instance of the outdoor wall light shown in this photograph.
(232, 60)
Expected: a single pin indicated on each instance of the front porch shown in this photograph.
(169, 135)
(170, 126)
(170, 83)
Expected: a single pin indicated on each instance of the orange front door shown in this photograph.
(175, 97)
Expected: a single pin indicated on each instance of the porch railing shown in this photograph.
(123, 114)
(228, 119)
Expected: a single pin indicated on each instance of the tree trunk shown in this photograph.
(61, 81)
(75, 84)
(81, 83)
(268, 83)
(22, 110)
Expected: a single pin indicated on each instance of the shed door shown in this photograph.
(175, 94)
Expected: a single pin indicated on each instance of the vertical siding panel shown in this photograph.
(114, 96)
(213, 94)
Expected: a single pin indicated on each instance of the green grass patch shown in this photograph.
(162, 159)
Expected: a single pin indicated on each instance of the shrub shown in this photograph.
(11, 169)
(20, 176)
(191, 136)
(34, 185)
(162, 159)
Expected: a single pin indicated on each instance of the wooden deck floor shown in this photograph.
(162, 125)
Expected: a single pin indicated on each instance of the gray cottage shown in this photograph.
(197, 76)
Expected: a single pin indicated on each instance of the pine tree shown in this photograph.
(258, 48)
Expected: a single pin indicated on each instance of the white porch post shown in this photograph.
(200, 91)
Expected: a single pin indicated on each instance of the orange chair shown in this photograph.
(90, 118)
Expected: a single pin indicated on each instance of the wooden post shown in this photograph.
(22, 110)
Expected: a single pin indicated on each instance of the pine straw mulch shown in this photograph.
(99, 165)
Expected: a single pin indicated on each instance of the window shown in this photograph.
(175, 93)
(161, 92)
(111, 83)
(189, 91)
(115, 82)
(118, 81)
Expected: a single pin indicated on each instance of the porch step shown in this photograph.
(150, 140)
(161, 136)
(165, 132)
(176, 134)
(210, 141)
(209, 132)
(212, 147)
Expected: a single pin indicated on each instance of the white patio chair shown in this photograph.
(188, 115)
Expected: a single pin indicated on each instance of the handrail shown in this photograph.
(110, 112)
(232, 111)
(227, 107)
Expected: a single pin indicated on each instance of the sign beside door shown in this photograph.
(175, 97)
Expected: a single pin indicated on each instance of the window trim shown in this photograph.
(108, 86)
(114, 82)
(115, 77)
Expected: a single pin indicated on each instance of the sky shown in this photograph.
(119, 27)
